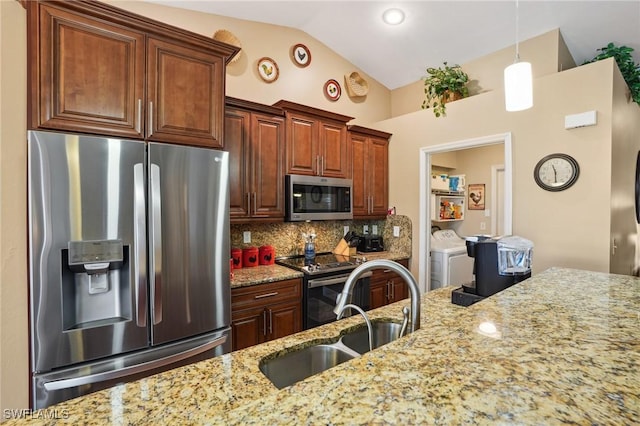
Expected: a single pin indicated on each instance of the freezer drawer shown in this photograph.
(64, 384)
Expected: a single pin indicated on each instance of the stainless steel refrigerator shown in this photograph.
(129, 260)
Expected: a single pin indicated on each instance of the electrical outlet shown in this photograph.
(374, 229)
(246, 236)
(483, 226)
(396, 231)
(345, 229)
(365, 229)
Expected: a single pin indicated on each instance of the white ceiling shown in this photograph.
(437, 31)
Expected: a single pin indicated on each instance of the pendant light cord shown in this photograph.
(517, 30)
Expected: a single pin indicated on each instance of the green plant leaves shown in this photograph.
(628, 68)
(439, 83)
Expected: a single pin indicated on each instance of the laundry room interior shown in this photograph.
(467, 199)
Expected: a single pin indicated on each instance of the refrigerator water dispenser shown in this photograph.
(92, 283)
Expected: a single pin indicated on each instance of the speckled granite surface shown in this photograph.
(566, 349)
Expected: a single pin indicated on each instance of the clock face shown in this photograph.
(556, 172)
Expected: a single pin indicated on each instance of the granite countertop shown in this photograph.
(565, 349)
(271, 273)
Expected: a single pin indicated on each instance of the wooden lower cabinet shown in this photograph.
(387, 287)
(265, 312)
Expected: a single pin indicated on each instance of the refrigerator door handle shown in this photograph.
(140, 243)
(134, 369)
(156, 244)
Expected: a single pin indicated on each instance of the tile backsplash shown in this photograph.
(288, 241)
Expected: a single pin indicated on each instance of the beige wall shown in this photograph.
(302, 85)
(14, 346)
(626, 139)
(569, 228)
(547, 53)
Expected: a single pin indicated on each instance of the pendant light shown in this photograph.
(518, 81)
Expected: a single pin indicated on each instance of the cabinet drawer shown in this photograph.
(381, 276)
(268, 293)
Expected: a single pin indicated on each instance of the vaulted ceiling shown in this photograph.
(438, 31)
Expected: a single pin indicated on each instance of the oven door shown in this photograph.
(321, 293)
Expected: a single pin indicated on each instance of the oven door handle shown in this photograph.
(321, 282)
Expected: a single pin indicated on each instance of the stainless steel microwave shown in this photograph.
(317, 198)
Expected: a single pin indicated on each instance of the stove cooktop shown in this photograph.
(323, 262)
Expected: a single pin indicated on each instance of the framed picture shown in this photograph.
(476, 196)
(268, 69)
(301, 55)
(332, 90)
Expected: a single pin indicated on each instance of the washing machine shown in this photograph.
(450, 264)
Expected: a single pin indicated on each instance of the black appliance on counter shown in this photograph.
(370, 243)
(498, 264)
(322, 282)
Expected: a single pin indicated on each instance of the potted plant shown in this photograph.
(442, 85)
(629, 69)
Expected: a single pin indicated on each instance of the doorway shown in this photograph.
(425, 194)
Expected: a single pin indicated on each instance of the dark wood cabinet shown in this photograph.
(94, 68)
(387, 287)
(255, 138)
(185, 94)
(265, 312)
(316, 141)
(369, 171)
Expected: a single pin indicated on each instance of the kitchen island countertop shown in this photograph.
(560, 347)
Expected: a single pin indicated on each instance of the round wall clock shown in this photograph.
(556, 172)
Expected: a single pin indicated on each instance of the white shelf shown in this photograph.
(447, 208)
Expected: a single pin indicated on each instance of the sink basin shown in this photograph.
(383, 333)
(290, 368)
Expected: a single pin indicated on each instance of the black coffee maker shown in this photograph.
(498, 264)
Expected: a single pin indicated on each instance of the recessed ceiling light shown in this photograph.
(393, 16)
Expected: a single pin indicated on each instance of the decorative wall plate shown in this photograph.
(332, 90)
(268, 69)
(301, 55)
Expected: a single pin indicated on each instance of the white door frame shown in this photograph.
(424, 266)
(494, 200)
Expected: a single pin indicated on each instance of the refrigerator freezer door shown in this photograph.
(85, 302)
(67, 383)
(189, 250)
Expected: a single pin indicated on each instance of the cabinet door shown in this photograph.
(360, 183)
(333, 152)
(237, 129)
(378, 294)
(267, 142)
(185, 95)
(248, 328)
(301, 150)
(378, 172)
(398, 289)
(89, 75)
(284, 319)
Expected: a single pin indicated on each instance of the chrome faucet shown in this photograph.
(414, 291)
(366, 320)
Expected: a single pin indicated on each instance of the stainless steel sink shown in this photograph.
(383, 333)
(287, 369)
(292, 367)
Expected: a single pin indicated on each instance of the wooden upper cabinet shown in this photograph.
(369, 171)
(94, 68)
(316, 141)
(185, 92)
(91, 74)
(254, 138)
